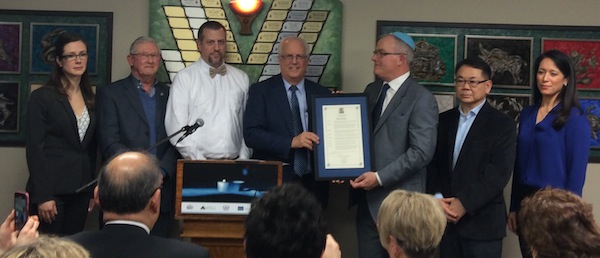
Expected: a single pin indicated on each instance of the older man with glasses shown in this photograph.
(131, 115)
(277, 121)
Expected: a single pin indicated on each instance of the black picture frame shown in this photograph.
(96, 28)
(345, 107)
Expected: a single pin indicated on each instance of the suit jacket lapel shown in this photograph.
(477, 128)
(161, 105)
(394, 103)
(89, 133)
(131, 95)
(64, 102)
(452, 130)
(281, 102)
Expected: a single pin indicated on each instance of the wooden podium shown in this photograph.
(209, 219)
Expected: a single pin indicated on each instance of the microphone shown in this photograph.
(190, 129)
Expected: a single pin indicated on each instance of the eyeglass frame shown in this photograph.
(472, 83)
(146, 55)
(290, 57)
(381, 53)
(72, 56)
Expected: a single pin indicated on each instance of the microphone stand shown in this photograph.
(183, 129)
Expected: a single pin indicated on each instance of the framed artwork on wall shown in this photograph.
(508, 57)
(9, 106)
(435, 58)
(510, 104)
(591, 107)
(445, 100)
(42, 41)
(10, 47)
(26, 39)
(585, 55)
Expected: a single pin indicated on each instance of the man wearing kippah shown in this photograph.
(404, 122)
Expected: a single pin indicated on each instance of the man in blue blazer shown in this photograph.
(472, 164)
(129, 189)
(131, 115)
(404, 122)
(269, 123)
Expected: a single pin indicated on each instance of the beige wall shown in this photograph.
(131, 21)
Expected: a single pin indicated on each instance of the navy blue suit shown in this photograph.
(123, 240)
(123, 125)
(268, 127)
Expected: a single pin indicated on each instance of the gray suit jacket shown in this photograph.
(403, 140)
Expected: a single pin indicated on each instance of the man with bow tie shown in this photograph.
(131, 115)
(214, 92)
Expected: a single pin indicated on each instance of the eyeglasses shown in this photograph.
(73, 56)
(146, 55)
(292, 57)
(472, 83)
(380, 53)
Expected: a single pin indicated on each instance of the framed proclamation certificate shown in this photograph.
(342, 123)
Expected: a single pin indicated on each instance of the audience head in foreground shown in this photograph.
(285, 222)
(48, 247)
(557, 223)
(129, 188)
(410, 224)
(128, 191)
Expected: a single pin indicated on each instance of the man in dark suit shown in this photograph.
(129, 189)
(473, 161)
(405, 117)
(277, 121)
(131, 115)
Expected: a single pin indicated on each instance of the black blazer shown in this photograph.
(483, 168)
(122, 126)
(129, 241)
(268, 126)
(58, 161)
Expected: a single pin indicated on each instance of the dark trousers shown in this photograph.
(320, 189)
(369, 245)
(72, 213)
(455, 246)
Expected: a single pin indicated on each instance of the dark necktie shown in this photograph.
(222, 70)
(300, 155)
(379, 106)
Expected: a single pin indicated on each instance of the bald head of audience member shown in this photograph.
(558, 223)
(410, 224)
(129, 188)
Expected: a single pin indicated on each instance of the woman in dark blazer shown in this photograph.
(60, 141)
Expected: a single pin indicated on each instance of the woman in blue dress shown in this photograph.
(554, 136)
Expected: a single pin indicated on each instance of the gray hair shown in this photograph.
(140, 40)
